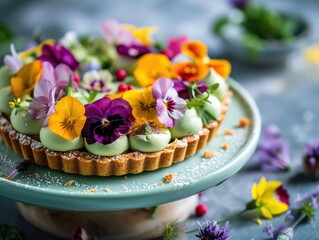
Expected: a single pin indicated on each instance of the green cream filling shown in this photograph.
(188, 125)
(213, 107)
(213, 78)
(6, 96)
(115, 148)
(22, 121)
(152, 142)
(57, 143)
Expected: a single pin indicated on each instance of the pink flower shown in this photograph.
(170, 108)
(113, 33)
(13, 61)
(174, 46)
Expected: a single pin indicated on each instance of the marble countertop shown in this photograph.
(287, 94)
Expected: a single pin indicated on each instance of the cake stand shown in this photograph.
(103, 205)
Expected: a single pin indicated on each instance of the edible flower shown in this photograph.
(312, 158)
(114, 33)
(143, 104)
(273, 151)
(150, 67)
(68, 119)
(213, 231)
(270, 198)
(132, 51)
(174, 46)
(141, 34)
(107, 120)
(35, 51)
(97, 80)
(185, 89)
(222, 67)
(13, 61)
(26, 79)
(195, 50)
(170, 108)
(191, 71)
(56, 54)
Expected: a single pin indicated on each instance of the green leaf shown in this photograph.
(219, 25)
(9, 233)
(213, 87)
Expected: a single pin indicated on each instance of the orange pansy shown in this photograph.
(191, 71)
(68, 119)
(195, 49)
(26, 79)
(222, 67)
(150, 67)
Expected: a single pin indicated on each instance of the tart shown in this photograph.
(113, 105)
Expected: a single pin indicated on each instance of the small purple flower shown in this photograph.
(312, 153)
(213, 231)
(56, 54)
(20, 167)
(184, 88)
(273, 151)
(132, 51)
(273, 232)
(107, 120)
(113, 33)
(311, 198)
(174, 46)
(170, 108)
(13, 62)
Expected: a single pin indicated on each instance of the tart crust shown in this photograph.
(84, 163)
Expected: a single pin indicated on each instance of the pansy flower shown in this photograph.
(132, 51)
(174, 46)
(68, 119)
(97, 80)
(35, 51)
(57, 54)
(107, 120)
(143, 105)
(142, 34)
(191, 71)
(150, 67)
(170, 108)
(186, 89)
(26, 79)
(13, 61)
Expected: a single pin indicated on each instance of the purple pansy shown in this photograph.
(113, 33)
(214, 231)
(170, 108)
(184, 88)
(273, 151)
(57, 54)
(132, 51)
(44, 100)
(174, 46)
(107, 120)
(13, 62)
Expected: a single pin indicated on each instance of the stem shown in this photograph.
(299, 219)
(232, 216)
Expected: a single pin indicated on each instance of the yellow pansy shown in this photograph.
(141, 34)
(68, 119)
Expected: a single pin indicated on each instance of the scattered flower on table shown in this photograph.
(173, 230)
(213, 231)
(107, 120)
(13, 61)
(311, 158)
(20, 167)
(273, 152)
(170, 108)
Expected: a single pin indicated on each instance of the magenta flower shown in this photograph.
(113, 33)
(44, 100)
(107, 120)
(185, 88)
(13, 61)
(170, 108)
(132, 51)
(174, 46)
(57, 54)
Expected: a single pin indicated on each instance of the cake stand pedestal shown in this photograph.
(125, 224)
(115, 206)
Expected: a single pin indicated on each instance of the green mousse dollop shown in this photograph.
(5, 76)
(213, 78)
(115, 148)
(6, 96)
(188, 125)
(22, 121)
(57, 143)
(152, 142)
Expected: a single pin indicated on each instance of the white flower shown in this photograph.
(69, 39)
(97, 80)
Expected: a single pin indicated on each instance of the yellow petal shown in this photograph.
(276, 207)
(142, 34)
(271, 188)
(254, 191)
(262, 186)
(266, 212)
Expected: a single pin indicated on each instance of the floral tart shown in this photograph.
(111, 105)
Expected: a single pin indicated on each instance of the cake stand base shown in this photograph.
(125, 224)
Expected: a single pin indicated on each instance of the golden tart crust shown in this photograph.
(84, 163)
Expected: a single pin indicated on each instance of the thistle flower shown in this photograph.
(213, 231)
(273, 151)
(173, 230)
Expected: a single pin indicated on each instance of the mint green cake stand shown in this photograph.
(43, 187)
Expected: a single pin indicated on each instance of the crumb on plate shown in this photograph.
(208, 154)
(229, 132)
(91, 190)
(169, 177)
(107, 190)
(244, 122)
(225, 146)
(69, 183)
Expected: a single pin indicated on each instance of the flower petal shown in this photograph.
(266, 212)
(262, 186)
(195, 49)
(276, 207)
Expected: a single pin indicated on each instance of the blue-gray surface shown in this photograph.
(287, 95)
